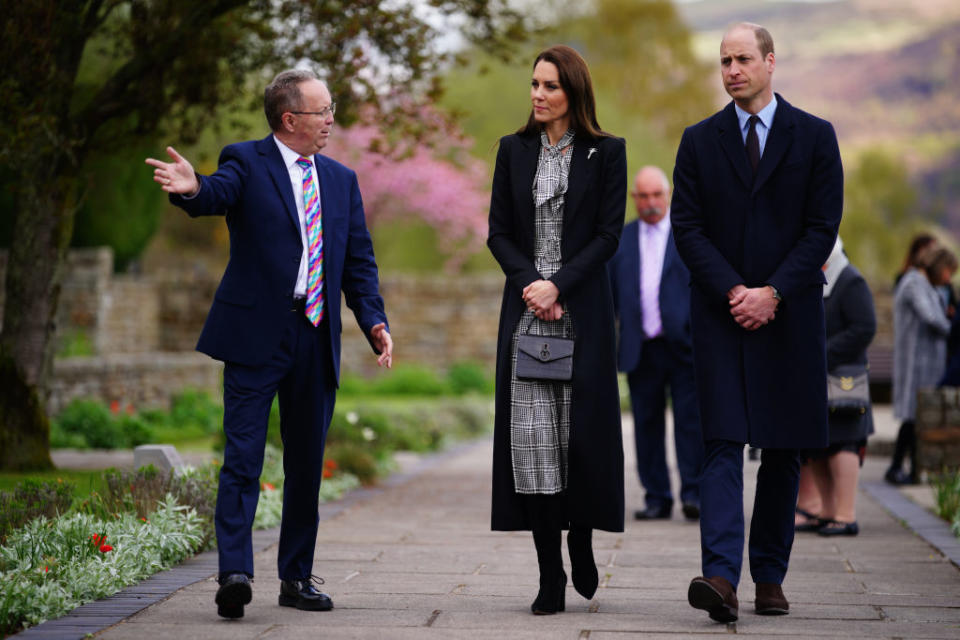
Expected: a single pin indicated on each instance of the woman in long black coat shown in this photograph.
(558, 454)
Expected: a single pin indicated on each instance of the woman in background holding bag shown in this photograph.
(851, 324)
(556, 213)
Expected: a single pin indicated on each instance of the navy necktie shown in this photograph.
(753, 143)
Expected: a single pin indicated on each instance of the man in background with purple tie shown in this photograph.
(297, 239)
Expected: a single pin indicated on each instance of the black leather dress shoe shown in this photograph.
(303, 595)
(654, 513)
(234, 592)
(691, 511)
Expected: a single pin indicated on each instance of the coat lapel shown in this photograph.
(529, 155)
(281, 177)
(728, 128)
(579, 178)
(778, 141)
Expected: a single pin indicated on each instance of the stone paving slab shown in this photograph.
(417, 560)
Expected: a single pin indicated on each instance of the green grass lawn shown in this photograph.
(84, 481)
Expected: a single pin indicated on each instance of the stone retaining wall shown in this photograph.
(938, 429)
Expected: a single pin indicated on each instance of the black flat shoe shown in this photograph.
(813, 522)
(899, 477)
(583, 566)
(834, 528)
(654, 513)
(551, 597)
(303, 595)
(234, 592)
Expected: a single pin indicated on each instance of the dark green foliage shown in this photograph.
(89, 424)
(468, 377)
(31, 499)
(139, 492)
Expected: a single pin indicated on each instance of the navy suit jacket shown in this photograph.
(624, 272)
(768, 386)
(252, 189)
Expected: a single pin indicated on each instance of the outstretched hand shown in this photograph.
(175, 177)
(383, 343)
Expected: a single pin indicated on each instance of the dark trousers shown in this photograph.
(721, 512)
(662, 368)
(300, 373)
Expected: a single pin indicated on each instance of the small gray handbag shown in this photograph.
(544, 358)
(848, 390)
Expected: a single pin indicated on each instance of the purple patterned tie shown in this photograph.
(311, 202)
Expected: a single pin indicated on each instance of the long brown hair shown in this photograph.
(575, 80)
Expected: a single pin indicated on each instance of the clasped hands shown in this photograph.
(540, 296)
(752, 308)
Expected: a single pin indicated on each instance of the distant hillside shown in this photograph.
(885, 72)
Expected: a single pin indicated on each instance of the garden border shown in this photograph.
(99, 615)
(932, 529)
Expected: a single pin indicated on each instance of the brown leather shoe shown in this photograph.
(716, 596)
(770, 600)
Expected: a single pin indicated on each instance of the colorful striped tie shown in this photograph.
(311, 202)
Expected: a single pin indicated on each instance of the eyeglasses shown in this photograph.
(323, 113)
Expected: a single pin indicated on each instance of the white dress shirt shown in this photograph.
(290, 158)
(653, 248)
(763, 127)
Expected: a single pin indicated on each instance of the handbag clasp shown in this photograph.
(545, 352)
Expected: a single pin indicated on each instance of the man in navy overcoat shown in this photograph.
(651, 297)
(758, 191)
(297, 239)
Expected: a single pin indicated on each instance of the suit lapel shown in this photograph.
(267, 148)
(728, 129)
(778, 141)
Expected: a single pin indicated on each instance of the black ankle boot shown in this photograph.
(552, 595)
(583, 566)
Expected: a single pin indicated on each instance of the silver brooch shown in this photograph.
(591, 151)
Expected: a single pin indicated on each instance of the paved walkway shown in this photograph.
(418, 560)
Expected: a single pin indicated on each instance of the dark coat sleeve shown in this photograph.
(503, 231)
(609, 221)
(859, 324)
(822, 213)
(708, 268)
(218, 192)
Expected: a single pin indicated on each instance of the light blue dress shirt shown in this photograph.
(763, 127)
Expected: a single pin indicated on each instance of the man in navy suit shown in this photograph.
(758, 193)
(651, 295)
(297, 239)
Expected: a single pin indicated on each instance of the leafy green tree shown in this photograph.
(879, 214)
(101, 74)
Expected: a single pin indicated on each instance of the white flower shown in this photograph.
(368, 434)
(352, 417)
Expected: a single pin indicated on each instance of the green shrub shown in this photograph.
(410, 380)
(31, 499)
(946, 490)
(196, 409)
(469, 377)
(89, 424)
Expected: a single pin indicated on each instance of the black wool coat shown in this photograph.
(766, 387)
(592, 223)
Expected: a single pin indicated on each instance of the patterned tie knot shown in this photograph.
(304, 164)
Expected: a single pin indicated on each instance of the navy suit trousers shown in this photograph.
(662, 367)
(300, 373)
(721, 512)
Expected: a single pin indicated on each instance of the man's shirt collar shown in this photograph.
(765, 114)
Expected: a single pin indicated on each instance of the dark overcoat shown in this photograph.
(766, 387)
(592, 223)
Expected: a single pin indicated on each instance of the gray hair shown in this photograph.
(658, 171)
(283, 94)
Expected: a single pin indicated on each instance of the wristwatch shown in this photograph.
(776, 294)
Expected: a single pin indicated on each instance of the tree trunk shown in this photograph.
(44, 221)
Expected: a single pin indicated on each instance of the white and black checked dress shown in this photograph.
(540, 411)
